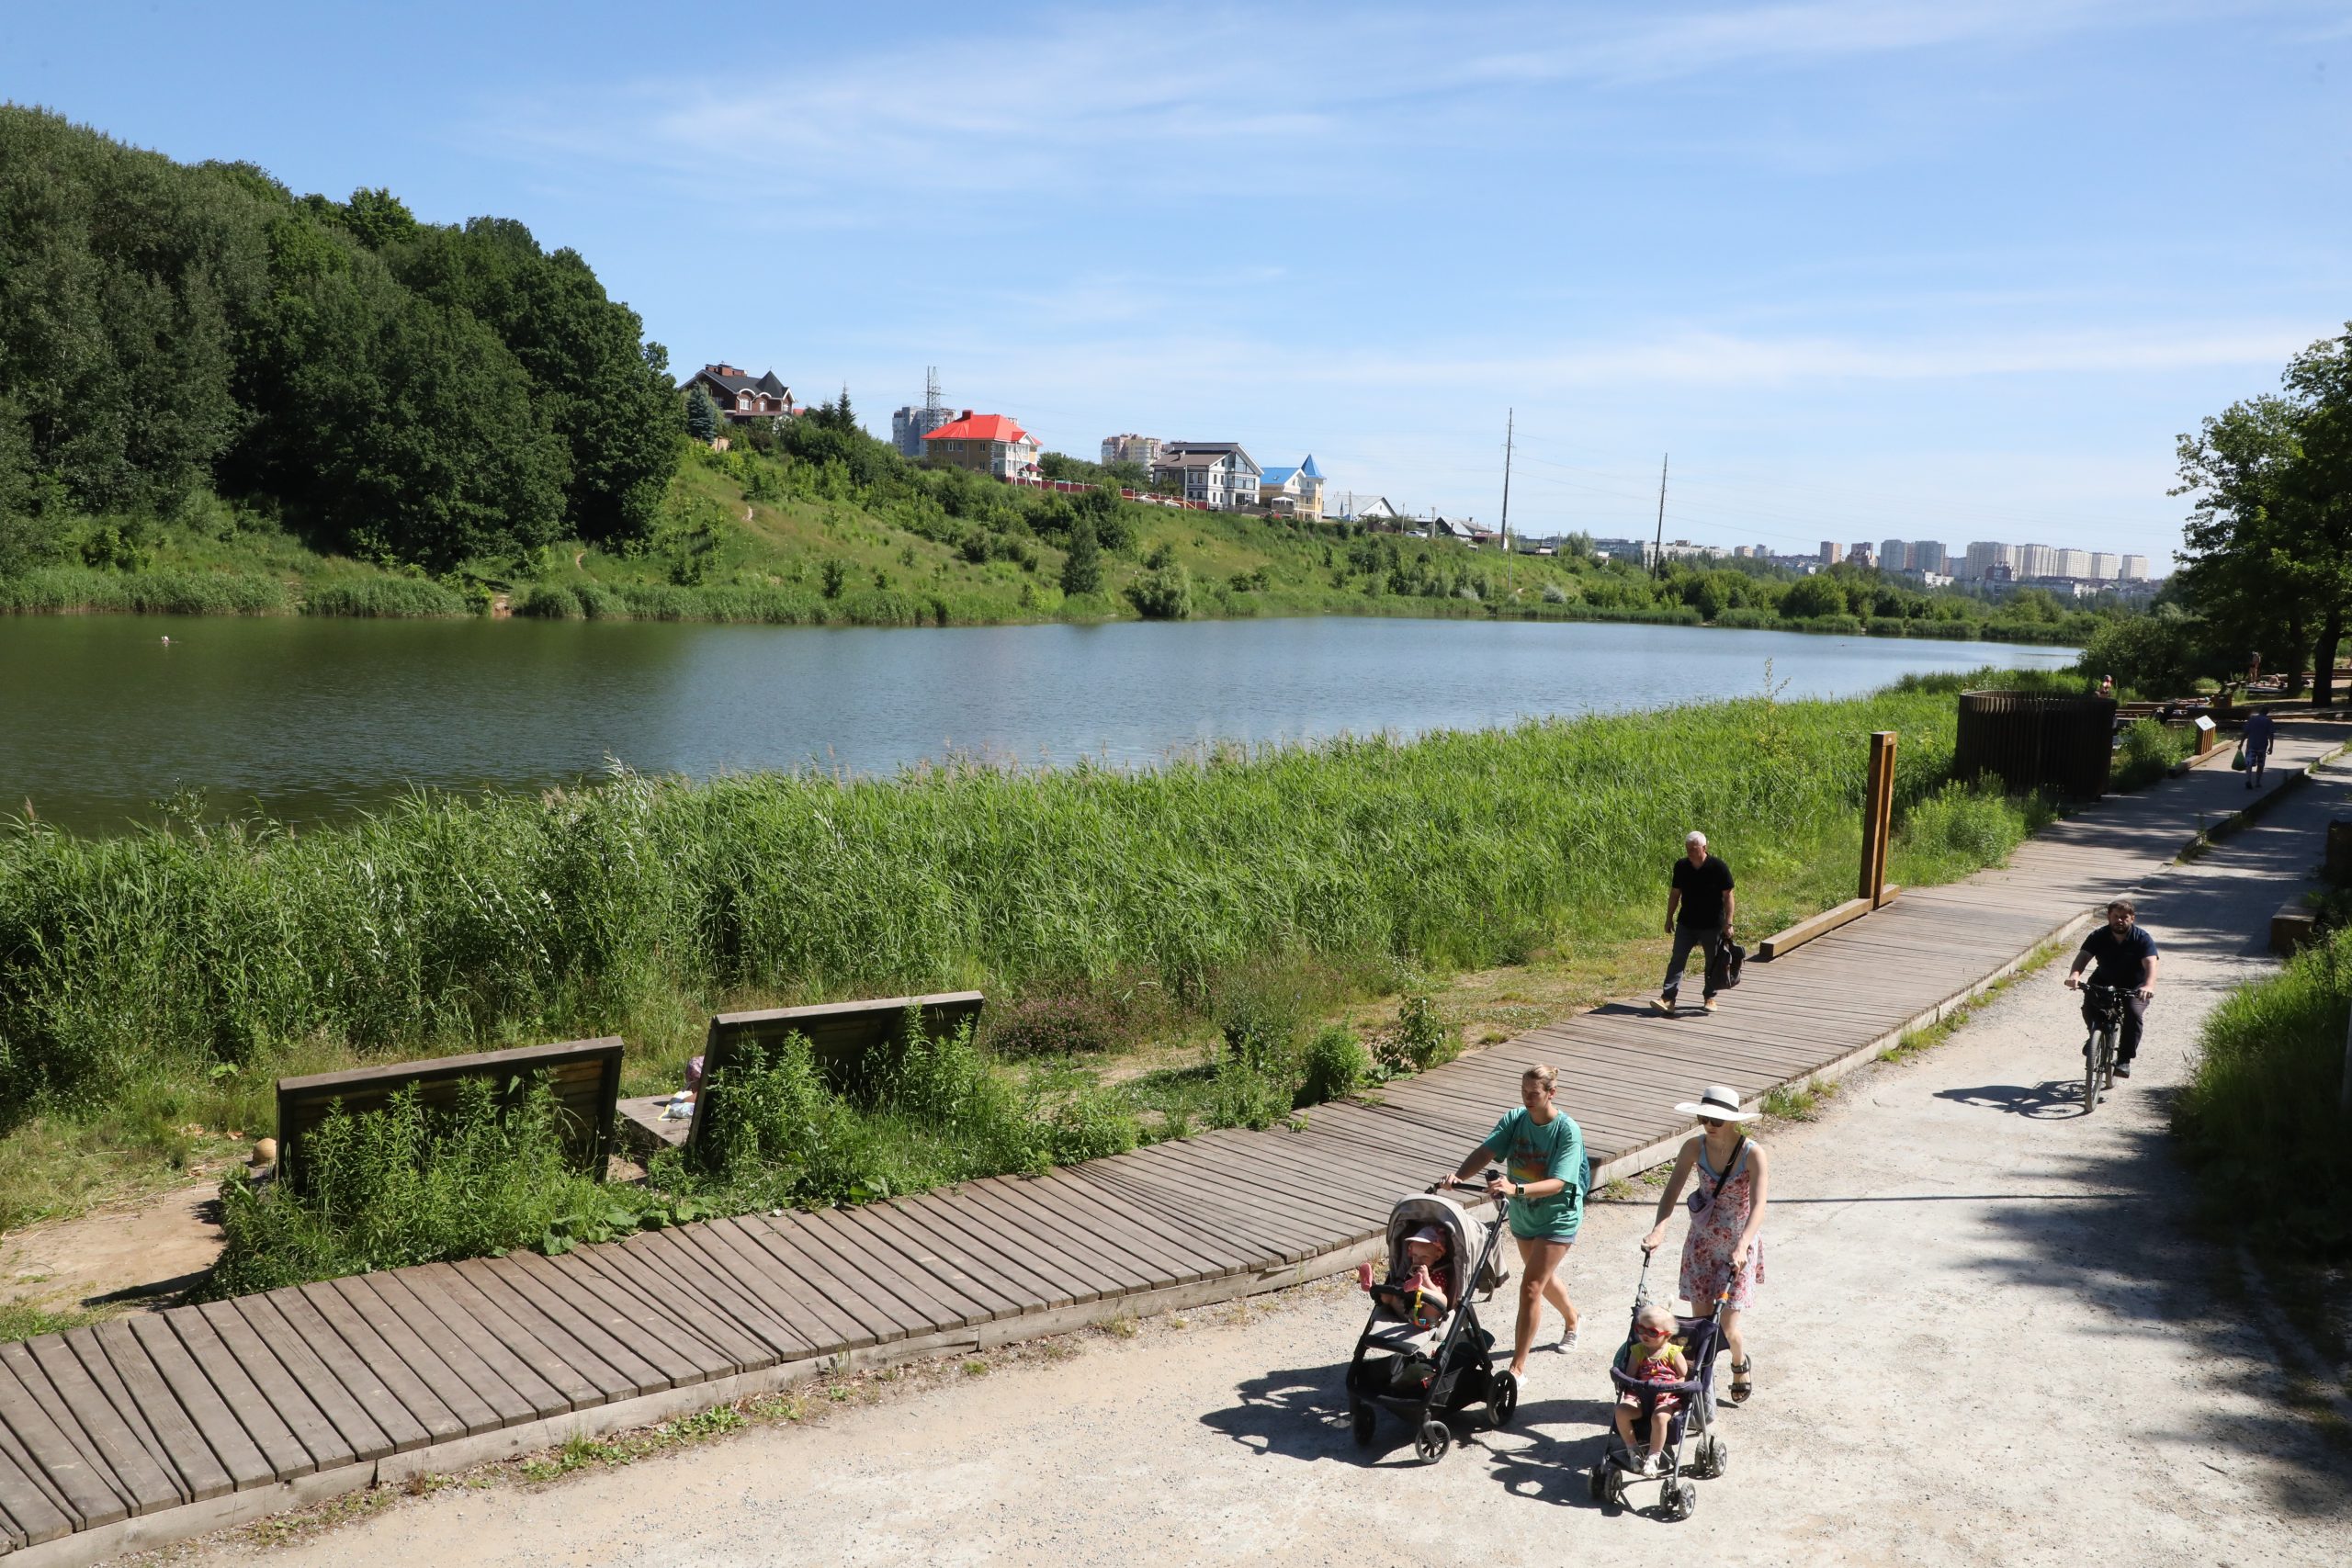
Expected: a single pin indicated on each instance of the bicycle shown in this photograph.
(2105, 1006)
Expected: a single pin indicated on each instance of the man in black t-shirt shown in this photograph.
(2125, 958)
(1697, 914)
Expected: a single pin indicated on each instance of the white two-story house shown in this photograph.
(1216, 474)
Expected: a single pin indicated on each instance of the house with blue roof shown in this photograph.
(1293, 492)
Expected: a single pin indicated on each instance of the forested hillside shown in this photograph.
(403, 391)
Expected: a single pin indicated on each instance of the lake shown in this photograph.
(315, 719)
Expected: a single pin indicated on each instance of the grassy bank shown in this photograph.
(2258, 1119)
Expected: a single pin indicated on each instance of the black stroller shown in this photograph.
(1619, 1469)
(1430, 1375)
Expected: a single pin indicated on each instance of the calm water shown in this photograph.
(312, 719)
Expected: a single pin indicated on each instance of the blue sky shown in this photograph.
(1949, 271)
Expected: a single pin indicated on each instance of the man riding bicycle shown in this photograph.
(2125, 960)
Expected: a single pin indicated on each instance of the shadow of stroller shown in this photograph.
(1301, 1413)
(1534, 1459)
(2048, 1100)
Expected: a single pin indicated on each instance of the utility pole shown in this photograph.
(1657, 558)
(1510, 418)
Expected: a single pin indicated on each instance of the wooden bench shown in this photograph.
(584, 1076)
(2295, 926)
(840, 1034)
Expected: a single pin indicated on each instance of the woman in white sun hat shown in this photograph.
(1723, 1255)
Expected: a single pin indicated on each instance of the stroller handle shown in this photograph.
(1491, 1173)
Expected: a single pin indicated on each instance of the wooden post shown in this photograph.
(1878, 816)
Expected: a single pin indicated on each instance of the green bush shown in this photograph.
(2159, 654)
(1334, 1065)
(1960, 828)
(401, 1185)
(2258, 1118)
(383, 596)
(550, 601)
(2148, 752)
(1163, 593)
(1419, 1040)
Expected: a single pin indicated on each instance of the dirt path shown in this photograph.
(1987, 1337)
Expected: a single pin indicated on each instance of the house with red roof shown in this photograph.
(992, 443)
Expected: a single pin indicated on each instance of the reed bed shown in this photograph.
(635, 907)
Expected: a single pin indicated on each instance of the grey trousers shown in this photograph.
(1706, 939)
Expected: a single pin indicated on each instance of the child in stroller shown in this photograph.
(1422, 1354)
(1680, 1408)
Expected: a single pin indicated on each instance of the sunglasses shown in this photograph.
(1655, 1333)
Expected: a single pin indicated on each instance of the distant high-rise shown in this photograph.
(1983, 556)
(1832, 552)
(909, 426)
(1861, 553)
(1132, 448)
(2104, 565)
(1928, 555)
(2134, 568)
(2072, 563)
(2036, 561)
(1893, 554)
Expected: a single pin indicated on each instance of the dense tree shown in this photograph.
(419, 393)
(702, 415)
(2269, 536)
(1082, 568)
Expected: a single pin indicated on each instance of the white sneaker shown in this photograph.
(1567, 1341)
(1652, 1464)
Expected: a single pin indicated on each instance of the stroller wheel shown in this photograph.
(1502, 1399)
(1710, 1459)
(1431, 1441)
(1597, 1479)
(1363, 1420)
(1681, 1500)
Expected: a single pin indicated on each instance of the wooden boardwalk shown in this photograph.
(148, 1429)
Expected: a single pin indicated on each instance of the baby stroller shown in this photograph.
(1619, 1469)
(1429, 1375)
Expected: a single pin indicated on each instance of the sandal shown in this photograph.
(1742, 1386)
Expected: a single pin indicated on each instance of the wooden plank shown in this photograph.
(775, 1338)
(184, 1449)
(355, 1404)
(860, 1244)
(82, 1346)
(697, 1294)
(463, 1322)
(1019, 1213)
(320, 1315)
(1014, 1249)
(790, 1238)
(811, 1306)
(26, 1511)
(151, 1485)
(636, 1350)
(651, 1282)
(1176, 1192)
(949, 1253)
(962, 1225)
(1165, 1256)
(283, 1393)
(946, 1260)
(285, 1452)
(42, 1447)
(633, 1318)
(578, 1369)
(461, 1381)
(1225, 1253)
(17, 1358)
(223, 1433)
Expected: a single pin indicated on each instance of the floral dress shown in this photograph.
(1714, 1236)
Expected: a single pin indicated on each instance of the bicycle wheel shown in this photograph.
(2091, 1064)
(2106, 1059)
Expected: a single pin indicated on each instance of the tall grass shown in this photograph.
(62, 588)
(383, 596)
(2258, 1117)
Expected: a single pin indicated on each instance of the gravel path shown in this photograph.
(1987, 1337)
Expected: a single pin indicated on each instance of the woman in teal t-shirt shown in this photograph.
(1542, 1156)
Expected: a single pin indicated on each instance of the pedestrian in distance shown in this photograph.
(2125, 960)
(1542, 1154)
(1698, 901)
(1722, 1252)
(2261, 729)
